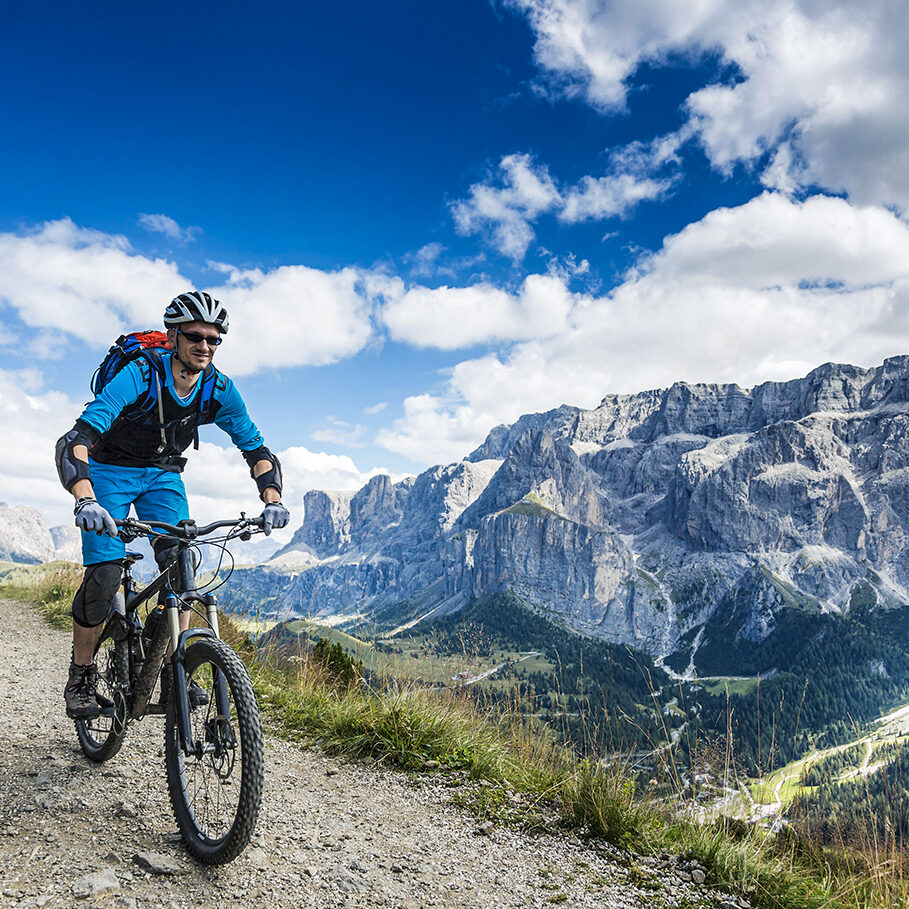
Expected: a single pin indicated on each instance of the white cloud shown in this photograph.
(61, 278)
(305, 470)
(453, 317)
(83, 282)
(424, 261)
(595, 198)
(784, 172)
(509, 202)
(340, 432)
(436, 431)
(831, 70)
(293, 316)
(591, 48)
(525, 192)
(375, 408)
(827, 79)
(637, 172)
(163, 224)
(772, 241)
(768, 290)
(219, 486)
(33, 418)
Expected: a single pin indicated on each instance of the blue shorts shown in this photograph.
(157, 495)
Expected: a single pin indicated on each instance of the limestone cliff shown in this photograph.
(637, 521)
(24, 536)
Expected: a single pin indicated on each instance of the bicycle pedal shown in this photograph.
(156, 709)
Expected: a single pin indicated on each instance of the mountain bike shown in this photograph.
(212, 731)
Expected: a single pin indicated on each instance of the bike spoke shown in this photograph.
(101, 736)
(216, 794)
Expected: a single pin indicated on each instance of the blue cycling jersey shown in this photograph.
(131, 437)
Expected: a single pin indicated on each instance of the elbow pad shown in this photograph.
(71, 469)
(271, 477)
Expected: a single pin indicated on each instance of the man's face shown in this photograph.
(193, 350)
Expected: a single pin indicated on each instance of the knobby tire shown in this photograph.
(100, 738)
(215, 810)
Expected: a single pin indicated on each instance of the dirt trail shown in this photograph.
(329, 834)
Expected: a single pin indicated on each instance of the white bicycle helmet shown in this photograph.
(196, 306)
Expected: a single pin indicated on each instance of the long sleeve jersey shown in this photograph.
(131, 437)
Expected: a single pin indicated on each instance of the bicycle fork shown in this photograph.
(179, 640)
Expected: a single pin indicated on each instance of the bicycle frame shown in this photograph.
(177, 585)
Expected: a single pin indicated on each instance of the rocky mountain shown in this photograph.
(67, 543)
(24, 536)
(26, 539)
(651, 520)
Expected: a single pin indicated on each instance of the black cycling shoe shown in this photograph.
(198, 696)
(80, 692)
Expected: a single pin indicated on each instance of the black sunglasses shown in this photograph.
(195, 338)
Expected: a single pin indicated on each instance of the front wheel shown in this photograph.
(100, 738)
(216, 791)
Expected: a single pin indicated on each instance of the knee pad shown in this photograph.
(91, 605)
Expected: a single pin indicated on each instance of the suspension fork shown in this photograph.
(187, 584)
(222, 700)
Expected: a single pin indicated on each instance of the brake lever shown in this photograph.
(249, 527)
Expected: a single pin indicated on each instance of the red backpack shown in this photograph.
(149, 345)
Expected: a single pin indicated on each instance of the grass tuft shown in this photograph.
(50, 587)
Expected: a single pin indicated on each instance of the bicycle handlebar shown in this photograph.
(186, 530)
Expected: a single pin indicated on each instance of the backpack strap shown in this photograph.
(152, 399)
(206, 393)
(163, 444)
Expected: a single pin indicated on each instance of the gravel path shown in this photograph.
(330, 834)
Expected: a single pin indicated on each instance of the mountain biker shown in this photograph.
(117, 455)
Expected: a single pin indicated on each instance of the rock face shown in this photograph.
(67, 543)
(640, 519)
(24, 536)
(26, 539)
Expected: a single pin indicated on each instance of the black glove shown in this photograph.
(276, 516)
(90, 516)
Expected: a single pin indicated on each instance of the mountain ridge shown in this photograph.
(637, 520)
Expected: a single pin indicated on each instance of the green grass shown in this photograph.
(417, 729)
(417, 660)
(719, 687)
(50, 587)
(255, 626)
(533, 510)
(497, 753)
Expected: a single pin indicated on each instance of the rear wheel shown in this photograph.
(216, 791)
(100, 738)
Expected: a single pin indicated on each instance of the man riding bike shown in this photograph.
(118, 455)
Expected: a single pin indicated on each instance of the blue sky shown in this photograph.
(427, 219)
